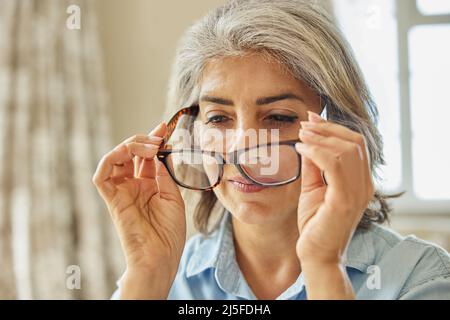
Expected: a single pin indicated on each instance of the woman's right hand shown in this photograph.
(148, 212)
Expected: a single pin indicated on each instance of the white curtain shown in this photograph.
(53, 130)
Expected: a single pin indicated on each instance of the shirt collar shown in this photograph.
(213, 248)
(360, 251)
(217, 251)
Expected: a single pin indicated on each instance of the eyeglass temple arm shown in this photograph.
(324, 115)
(172, 123)
(324, 112)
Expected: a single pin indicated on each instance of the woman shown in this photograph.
(315, 233)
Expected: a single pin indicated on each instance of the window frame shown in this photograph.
(408, 17)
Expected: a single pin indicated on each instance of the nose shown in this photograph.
(245, 133)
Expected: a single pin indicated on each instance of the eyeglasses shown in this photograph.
(269, 164)
(198, 169)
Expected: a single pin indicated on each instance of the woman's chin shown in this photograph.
(269, 205)
(254, 212)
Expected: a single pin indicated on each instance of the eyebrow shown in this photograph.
(217, 100)
(283, 96)
(260, 101)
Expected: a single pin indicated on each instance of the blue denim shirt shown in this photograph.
(380, 265)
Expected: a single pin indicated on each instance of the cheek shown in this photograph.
(288, 195)
(227, 200)
(211, 169)
(295, 190)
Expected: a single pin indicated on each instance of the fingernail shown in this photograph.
(151, 146)
(154, 138)
(314, 117)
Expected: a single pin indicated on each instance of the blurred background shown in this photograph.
(78, 77)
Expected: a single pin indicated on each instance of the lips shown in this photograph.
(243, 185)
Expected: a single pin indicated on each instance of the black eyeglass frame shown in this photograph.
(232, 158)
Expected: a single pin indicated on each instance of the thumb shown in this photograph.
(168, 189)
(311, 176)
(146, 167)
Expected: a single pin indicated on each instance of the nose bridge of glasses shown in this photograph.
(233, 157)
(252, 155)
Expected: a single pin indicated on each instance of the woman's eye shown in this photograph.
(282, 118)
(216, 119)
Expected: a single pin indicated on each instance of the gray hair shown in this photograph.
(303, 37)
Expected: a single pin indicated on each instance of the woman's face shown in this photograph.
(254, 94)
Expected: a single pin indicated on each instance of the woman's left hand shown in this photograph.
(329, 214)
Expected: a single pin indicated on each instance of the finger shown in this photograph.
(330, 142)
(117, 180)
(143, 138)
(102, 175)
(314, 178)
(334, 129)
(311, 177)
(137, 165)
(326, 160)
(143, 150)
(159, 130)
(119, 156)
(147, 167)
(125, 170)
(329, 129)
(314, 117)
(355, 157)
(144, 153)
(338, 146)
(317, 123)
(168, 189)
(310, 173)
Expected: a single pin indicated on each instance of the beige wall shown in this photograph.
(138, 38)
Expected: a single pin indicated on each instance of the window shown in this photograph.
(429, 66)
(433, 7)
(371, 28)
(401, 49)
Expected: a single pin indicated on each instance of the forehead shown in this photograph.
(248, 73)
